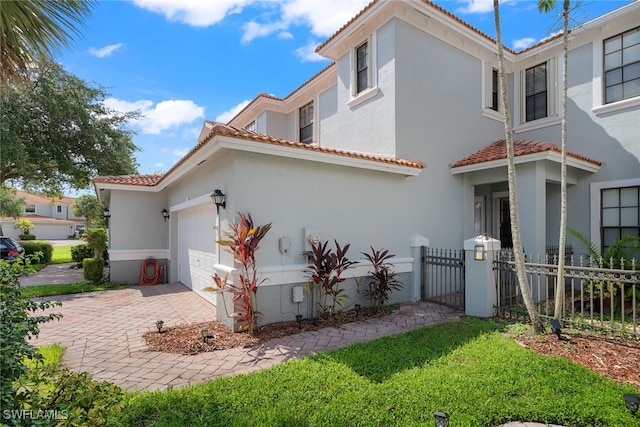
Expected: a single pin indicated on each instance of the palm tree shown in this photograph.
(33, 30)
(513, 195)
(546, 6)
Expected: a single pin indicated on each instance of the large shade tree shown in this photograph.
(58, 133)
(33, 31)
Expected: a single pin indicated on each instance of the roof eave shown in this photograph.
(527, 158)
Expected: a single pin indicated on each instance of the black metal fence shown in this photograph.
(595, 297)
(443, 277)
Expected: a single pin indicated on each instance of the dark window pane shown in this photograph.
(622, 66)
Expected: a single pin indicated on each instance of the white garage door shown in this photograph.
(196, 248)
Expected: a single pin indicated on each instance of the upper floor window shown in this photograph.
(622, 66)
(251, 127)
(30, 208)
(362, 67)
(494, 89)
(59, 209)
(306, 123)
(536, 92)
(620, 214)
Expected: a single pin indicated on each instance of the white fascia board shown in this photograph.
(547, 155)
(314, 156)
(109, 186)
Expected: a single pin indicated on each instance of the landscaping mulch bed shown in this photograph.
(616, 359)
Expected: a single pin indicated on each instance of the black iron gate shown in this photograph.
(443, 277)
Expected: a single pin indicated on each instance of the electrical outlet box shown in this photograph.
(298, 294)
(284, 245)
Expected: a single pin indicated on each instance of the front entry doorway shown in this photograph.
(503, 219)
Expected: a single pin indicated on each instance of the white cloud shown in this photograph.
(307, 53)
(158, 165)
(253, 30)
(102, 52)
(285, 35)
(482, 6)
(197, 13)
(161, 116)
(231, 113)
(523, 43)
(324, 17)
(180, 152)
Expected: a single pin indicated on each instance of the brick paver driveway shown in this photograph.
(102, 333)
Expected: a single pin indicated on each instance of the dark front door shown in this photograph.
(505, 223)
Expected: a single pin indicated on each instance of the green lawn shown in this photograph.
(65, 289)
(470, 369)
(61, 254)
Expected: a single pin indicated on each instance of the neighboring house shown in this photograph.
(395, 145)
(52, 218)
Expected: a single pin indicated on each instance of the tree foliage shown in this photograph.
(59, 133)
(36, 30)
(10, 204)
(89, 207)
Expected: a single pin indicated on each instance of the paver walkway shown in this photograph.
(102, 333)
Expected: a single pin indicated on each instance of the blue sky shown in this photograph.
(183, 61)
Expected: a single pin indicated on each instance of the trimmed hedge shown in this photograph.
(27, 237)
(93, 269)
(33, 246)
(80, 252)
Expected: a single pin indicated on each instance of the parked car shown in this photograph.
(10, 249)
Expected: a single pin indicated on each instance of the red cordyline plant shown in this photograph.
(382, 280)
(243, 241)
(325, 274)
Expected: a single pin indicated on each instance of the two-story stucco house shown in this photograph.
(397, 142)
(52, 218)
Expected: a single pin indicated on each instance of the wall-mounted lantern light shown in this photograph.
(441, 419)
(478, 252)
(165, 214)
(219, 199)
(106, 214)
(632, 402)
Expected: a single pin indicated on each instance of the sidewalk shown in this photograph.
(54, 274)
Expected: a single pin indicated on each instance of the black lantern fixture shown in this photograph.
(106, 213)
(159, 324)
(555, 327)
(441, 419)
(165, 214)
(632, 401)
(219, 199)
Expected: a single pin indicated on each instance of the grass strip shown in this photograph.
(470, 369)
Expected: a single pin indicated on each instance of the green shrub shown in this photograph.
(80, 252)
(97, 240)
(27, 237)
(75, 397)
(93, 269)
(19, 321)
(32, 247)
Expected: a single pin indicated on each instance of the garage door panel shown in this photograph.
(197, 247)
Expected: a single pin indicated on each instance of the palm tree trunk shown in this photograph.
(559, 303)
(513, 194)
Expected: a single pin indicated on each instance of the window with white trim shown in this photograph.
(538, 91)
(622, 66)
(251, 127)
(620, 214)
(362, 68)
(30, 208)
(59, 208)
(495, 89)
(305, 118)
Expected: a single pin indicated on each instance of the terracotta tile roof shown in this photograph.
(220, 129)
(139, 180)
(498, 151)
(428, 3)
(44, 200)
